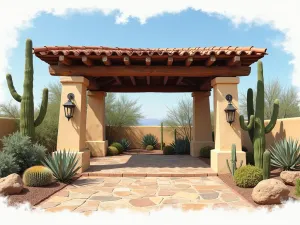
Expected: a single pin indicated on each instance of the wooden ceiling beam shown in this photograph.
(106, 61)
(211, 60)
(170, 61)
(188, 61)
(154, 71)
(126, 60)
(179, 80)
(65, 60)
(148, 61)
(166, 80)
(148, 80)
(87, 61)
(235, 61)
(133, 80)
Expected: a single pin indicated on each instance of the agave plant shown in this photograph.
(285, 154)
(63, 165)
(125, 143)
(149, 139)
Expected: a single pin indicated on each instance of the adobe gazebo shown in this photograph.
(103, 69)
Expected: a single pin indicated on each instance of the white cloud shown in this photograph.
(281, 15)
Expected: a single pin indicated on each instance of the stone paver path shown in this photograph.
(148, 165)
(89, 194)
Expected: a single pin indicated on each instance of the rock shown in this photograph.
(270, 191)
(12, 184)
(289, 177)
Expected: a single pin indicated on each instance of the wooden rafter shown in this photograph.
(118, 81)
(65, 60)
(170, 61)
(106, 61)
(179, 80)
(166, 80)
(154, 71)
(126, 60)
(188, 61)
(133, 80)
(148, 80)
(235, 61)
(148, 61)
(87, 61)
(211, 60)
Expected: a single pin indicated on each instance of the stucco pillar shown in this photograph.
(95, 124)
(225, 135)
(71, 134)
(201, 130)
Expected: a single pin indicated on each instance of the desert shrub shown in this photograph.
(111, 151)
(285, 154)
(23, 151)
(149, 147)
(205, 151)
(181, 146)
(63, 165)
(248, 176)
(118, 146)
(168, 150)
(37, 176)
(125, 143)
(297, 193)
(149, 139)
(250, 158)
(8, 165)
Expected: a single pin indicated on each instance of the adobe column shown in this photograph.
(201, 130)
(95, 126)
(71, 134)
(225, 134)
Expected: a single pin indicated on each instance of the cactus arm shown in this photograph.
(250, 124)
(228, 166)
(43, 109)
(273, 120)
(241, 164)
(250, 111)
(12, 89)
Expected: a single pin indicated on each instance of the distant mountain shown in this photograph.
(150, 122)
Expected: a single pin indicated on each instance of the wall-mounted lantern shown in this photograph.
(230, 110)
(69, 106)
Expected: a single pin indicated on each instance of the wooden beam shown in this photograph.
(87, 61)
(65, 60)
(118, 81)
(154, 71)
(179, 80)
(126, 60)
(106, 61)
(211, 60)
(133, 80)
(235, 61)
(188, 61)
(148, 61)
(166, 80)
(170, 61)
(148, 80)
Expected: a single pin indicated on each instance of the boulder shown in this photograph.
(289, 177)
(270, 191)
(12, 184)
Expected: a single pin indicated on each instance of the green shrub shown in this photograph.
(111, 151)
(149, 139)
(285, 154)
(248, 176)
(63, 165)
(7, 165)
(297, 193)
(168, 150)
(23, 151)
(118, 146)
(250, 158)
(181, 146)
(37, 176)
(205, 152)
(125, 143)
(149, 148)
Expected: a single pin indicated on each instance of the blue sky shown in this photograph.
(186, 29)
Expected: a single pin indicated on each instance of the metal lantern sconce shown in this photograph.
(69, 106)
(230, 110)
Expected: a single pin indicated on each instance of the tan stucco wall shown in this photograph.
(7, 126)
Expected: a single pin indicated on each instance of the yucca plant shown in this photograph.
(285, 154)
(63, 165)
(125, 143)
(149, 139)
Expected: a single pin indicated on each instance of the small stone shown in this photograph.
(270, 191)
(210, 195)
(105, 198)
(290, 177)
(10, 185)
(141, 202)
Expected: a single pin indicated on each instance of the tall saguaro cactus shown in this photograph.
(255, 125)
(27, 122)
(161, 136)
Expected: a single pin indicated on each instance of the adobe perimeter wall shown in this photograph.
(7, 126)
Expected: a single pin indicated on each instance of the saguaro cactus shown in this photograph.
(255, 125)
(161, 135)
(27, 122)
(266, 164)
(233, 160)
(175, 136)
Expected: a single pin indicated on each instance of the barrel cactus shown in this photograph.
(255, 125)
(27, 122)
(37, 176)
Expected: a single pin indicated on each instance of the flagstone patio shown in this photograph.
(90, 194)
